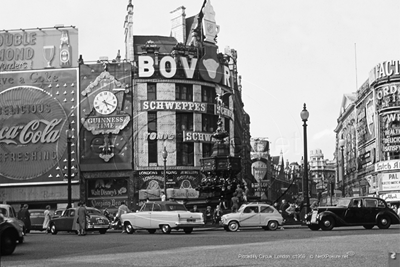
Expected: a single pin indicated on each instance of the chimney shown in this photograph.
(178, 24)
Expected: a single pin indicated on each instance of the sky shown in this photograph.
(289, 52)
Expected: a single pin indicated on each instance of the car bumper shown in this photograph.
(98, 226)
(184, 225)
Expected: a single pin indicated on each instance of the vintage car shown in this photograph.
(253, 215)
(352, 211)
(10, 216)
(96, 221)
(37, 219)
(9, 235)
(164, 215)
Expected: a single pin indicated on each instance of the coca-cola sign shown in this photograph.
(32, 123)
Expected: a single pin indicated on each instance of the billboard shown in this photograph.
(32, 49)
(36, 108)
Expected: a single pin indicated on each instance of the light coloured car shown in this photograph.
(9, 215)
(163, 215)
(253, 215)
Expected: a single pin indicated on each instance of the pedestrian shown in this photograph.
(245, 193)
(26, 217)
(239, 194)
(223, 199)
(122, 209)
(47, 218)
(235, 203)
(209, 215)
(162, 195)
(282, 209)
(291, 211)
(217, 215)
(19, 213)
(81, 220)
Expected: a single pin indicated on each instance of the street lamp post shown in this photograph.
(165, 155)
(304, 117)
(69, 141)
(341, 145)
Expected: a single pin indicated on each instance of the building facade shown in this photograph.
(138, 126)
(370, 134)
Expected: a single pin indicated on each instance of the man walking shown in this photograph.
(81, 219)
(122, 209)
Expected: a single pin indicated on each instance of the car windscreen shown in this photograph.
(173, 207)
(94, 212)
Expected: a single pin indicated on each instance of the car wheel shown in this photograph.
(273, 225)
(384, 222)
(8, 242)
(327, 223)
(129, 228)
(53, 229)
(102, 231)
(368, 226)
(188, 230)
(233, 226)
(151, 231)
(314, 227)
(166, 229)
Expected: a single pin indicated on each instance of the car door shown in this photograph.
(65, 222)
(369, 210)
(143, 218)
(250, 216)
(156, 216)
(353, 211)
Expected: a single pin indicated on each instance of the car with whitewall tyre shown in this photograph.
(164, 216)
(253, 215)
(352, 211)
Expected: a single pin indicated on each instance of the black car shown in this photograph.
(9, 236)
(353, 211)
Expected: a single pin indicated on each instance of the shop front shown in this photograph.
(181, 184)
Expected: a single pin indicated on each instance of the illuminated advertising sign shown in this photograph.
(35, 111)
(390, 181)
(189, 136)
(384, 70)
(390, 133)
(387, 96)
(189, 106)
(365, 121)
(39, 49)
(106, 111)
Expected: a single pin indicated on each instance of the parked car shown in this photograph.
(10, 216)
(163, 215)
(96, 221)
(353, 211)
(37, 219)
(57, 213)
(9, 235)
(253, 215)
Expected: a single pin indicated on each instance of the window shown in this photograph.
(152, 144)
(266, 209)
(184, 92)
(184, 122)
(185, 154)
(151, 91)
(370, 203)
(207, 150)
(251, 209)
(156, 207)
(209, 122)
(208, 94)
(147, 207)
(226, 124)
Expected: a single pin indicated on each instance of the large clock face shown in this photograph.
(105, 102)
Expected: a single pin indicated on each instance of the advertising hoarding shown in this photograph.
(36, 108)
(33, 49)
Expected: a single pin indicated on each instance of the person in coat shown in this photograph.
(26, 217)
(81, 219)
(47, 218)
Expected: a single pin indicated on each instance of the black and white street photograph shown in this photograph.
(199, 133)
